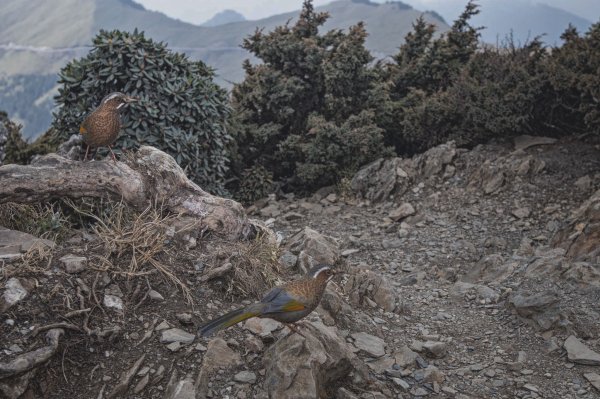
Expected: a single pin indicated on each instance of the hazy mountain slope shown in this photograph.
(527, 21)
(39, 37)
(61, 23)
(526, 18)
(224, 17)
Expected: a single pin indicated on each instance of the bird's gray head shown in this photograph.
(321, 272)
(117, 100)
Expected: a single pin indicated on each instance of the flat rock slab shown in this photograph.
(13, 243)
(176, 335)
(245, 377)
(261, 327)
(526, 141)
(369, 344)
(73, 263)
(594, 379)
(578, 352)
(219, 355)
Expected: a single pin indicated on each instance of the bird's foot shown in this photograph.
(87, 150)
(114, 158)
(294, 329)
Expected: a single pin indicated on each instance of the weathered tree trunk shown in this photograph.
(150, 176)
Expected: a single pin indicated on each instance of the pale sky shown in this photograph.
(198, 11)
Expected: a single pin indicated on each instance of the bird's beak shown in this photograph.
(131, 99)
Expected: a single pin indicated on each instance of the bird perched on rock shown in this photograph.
(101, 127)
(287, 303)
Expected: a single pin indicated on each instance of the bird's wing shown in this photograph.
(278, 300)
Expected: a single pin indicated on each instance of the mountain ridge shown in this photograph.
(27, 51)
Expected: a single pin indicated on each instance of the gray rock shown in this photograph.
(433, 161)
(405, 357)
(219, 355)
(142, 383)
(73, 263)
(184, 389)
(113, 301)
(382, 179)
(14, 292)
(429, 374)
(369, 344)
(13, 243)
(385, 297)
(525, 141)
(176, 335)
(494, 183)
(304, 368)
(155, 296)
(343, 393)
(261, 327)
(163, 325)
(348, 252)
(542, 308)
(174, 346)
(579, 235)
(392, 243)
(594, 379)
(270, 211)
(435, 349)
(245, 377)
(400, 383)
(402, 212)
(288, 259)
(184, 318)
(584, 183)
(321, 248)
(578, 352)
(491, 268)
(461, 288)
(521, 213)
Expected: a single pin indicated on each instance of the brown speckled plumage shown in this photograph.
(101, 127)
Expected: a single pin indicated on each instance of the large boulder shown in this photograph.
(543, 308)
(368, 284)
(307, 367)
(313, 248)
(382, 179)
(580, 236)
(433, 161)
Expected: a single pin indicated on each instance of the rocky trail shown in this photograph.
(467, 274)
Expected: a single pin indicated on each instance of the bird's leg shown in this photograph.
(295, 329)
(112, 154)
(86, 152)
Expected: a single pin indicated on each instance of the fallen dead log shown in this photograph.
(149, 176)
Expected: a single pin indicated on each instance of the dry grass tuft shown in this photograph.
(133, 243)
(255, 267)
(40, 220)
(35, 261)
(344, 188)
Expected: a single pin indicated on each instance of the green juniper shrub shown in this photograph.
(291, 111)
(573, 71)
(424, 68)
(12, 144)
(181, 110)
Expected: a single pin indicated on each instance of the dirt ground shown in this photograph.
(490, 351)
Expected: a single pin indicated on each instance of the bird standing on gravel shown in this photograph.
(101, 127)
(287, 303)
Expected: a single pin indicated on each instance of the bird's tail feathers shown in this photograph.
(229, 319)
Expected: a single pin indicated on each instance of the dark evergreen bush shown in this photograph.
(181, 110)
(298, 115)
(574, 73)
